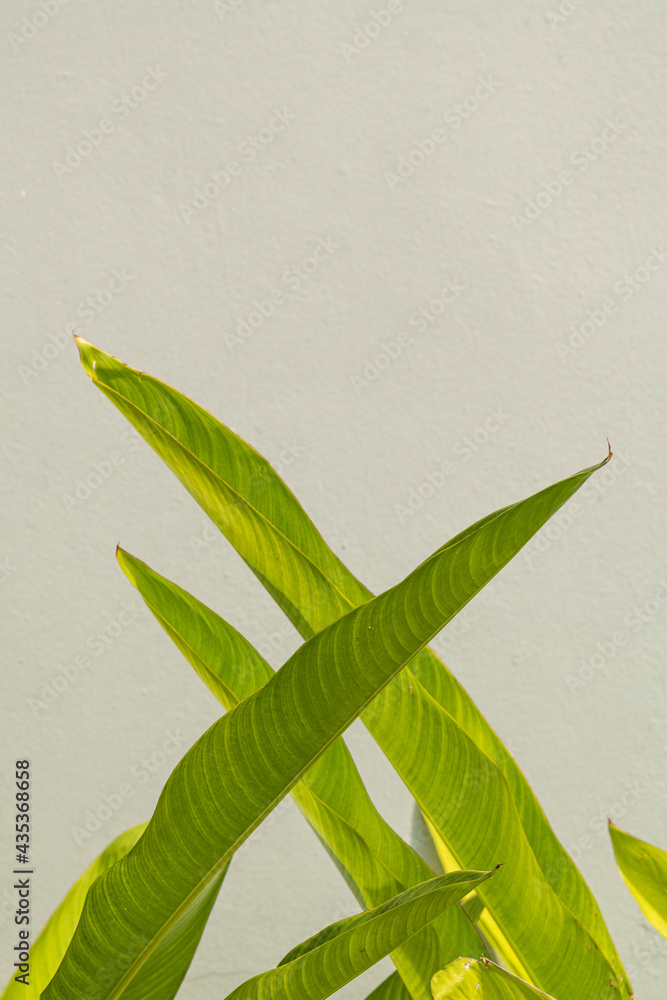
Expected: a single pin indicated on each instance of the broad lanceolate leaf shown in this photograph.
(644, 869)
(467, 979)
(238, 771)
(247, 500)
(376, 863)
(323, 964)
(47, 951)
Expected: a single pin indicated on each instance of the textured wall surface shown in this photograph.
(484, 182)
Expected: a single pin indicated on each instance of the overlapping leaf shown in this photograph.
(376, 863)
(644, 870)
(263, 520)
(238, 771)
(323, 964)
(467, 979)
(484, 919)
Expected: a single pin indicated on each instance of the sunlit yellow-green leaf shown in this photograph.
(467, 979)
(644, 870)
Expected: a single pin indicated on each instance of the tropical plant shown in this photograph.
(131, 924)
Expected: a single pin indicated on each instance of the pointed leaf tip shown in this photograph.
(644, 870)
(87, 355)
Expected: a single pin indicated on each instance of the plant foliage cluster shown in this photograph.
(511, 918)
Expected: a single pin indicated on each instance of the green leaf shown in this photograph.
(253, 508)
(467, 979)
(161, 973)
(375, 862)
(644, 870)
(473, 907)
(496, 944)
(341, 952)
(491, 931)
(239, 770)
(263, 520)
(48, 949)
